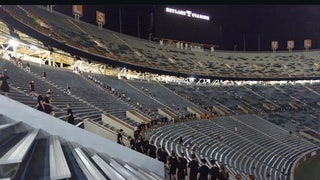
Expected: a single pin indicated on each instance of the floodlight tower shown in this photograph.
(49, 8)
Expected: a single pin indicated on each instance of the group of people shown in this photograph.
(180, 168)
(15, 61)
(139, 144)
(147, 92)
(44, 105)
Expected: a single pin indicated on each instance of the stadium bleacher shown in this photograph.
(136, 95)
(258, 147)
(32, 147)
(167, 97)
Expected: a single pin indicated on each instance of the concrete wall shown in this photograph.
(196, 111)
(137, 117)
(117, 123)
(220, 110)
(167, 113)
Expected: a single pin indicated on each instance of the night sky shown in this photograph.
(229, 25)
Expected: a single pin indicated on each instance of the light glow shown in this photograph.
(13, 43)
(33, 47)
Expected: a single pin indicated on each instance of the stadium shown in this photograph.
(120, 107)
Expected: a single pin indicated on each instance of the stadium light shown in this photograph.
(192, 79)
(31, 46)
(13, 43)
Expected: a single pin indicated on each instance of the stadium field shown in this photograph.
(309, 170)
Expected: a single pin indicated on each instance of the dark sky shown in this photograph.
(229, 25)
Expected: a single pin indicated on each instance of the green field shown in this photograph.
(310, 170)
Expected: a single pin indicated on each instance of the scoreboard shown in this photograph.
(185, 24)
(187, 13)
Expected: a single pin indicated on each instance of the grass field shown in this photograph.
(310, 170)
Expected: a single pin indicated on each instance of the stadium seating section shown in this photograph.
(144, 53)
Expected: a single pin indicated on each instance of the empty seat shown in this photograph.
(106, 168)
(87, 166)
(17, 153)
(58, 165)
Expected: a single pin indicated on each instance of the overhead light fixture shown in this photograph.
(31, 46)
(192, 79)
(13, 43)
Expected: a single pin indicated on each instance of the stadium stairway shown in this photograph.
(135, 94)
(19, 80)
(121, 113)
(89, 93)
